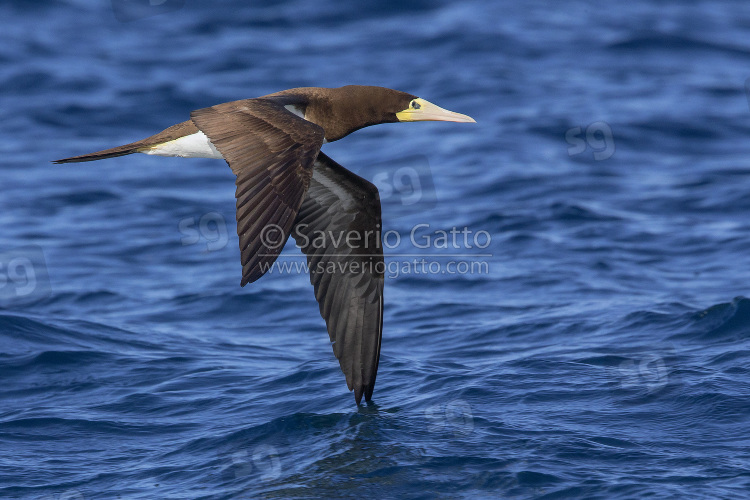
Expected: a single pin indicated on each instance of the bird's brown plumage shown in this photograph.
(285, 185)
(271, 151)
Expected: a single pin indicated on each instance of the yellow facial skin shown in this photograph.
(420, 110)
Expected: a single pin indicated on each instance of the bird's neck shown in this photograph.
(322, 107)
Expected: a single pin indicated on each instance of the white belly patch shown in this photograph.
(196, 145)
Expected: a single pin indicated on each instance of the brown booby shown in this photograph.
(285, 183)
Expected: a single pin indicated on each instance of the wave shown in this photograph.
(728, 321)
(645, 41)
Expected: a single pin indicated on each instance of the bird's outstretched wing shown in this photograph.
(338, 227)
(272, 152)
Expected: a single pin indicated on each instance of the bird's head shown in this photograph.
(343, 110)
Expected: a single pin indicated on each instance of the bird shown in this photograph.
(285, 186)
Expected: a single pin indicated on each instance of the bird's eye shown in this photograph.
(415, 105)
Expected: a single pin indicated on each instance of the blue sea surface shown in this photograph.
(586, 335)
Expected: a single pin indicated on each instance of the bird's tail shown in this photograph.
(107, 153)
(174, 132)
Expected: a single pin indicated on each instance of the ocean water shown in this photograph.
(592, 341)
